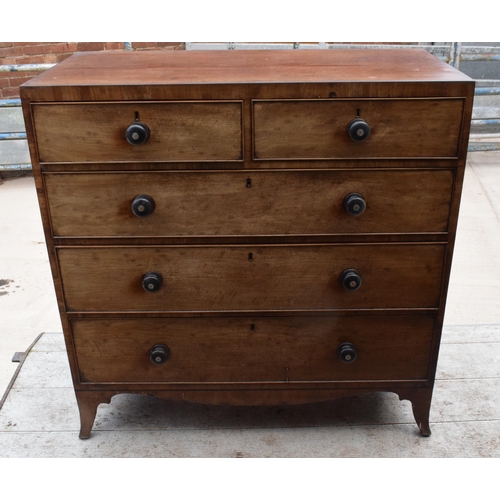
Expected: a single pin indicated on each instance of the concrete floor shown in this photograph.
(28, 307)
(40, 416)
(27, 298)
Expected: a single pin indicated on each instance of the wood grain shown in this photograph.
(237, 350)
(220, 278)
(318, 129)
(248, 203)
(248, 67)
(180, 131)
(216, 120)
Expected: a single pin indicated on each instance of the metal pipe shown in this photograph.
(455, 51)
(10, 103)
(487, 91)
(305, 45)
(24, 67)
(478, 49)
(19, 166)
(485, 146)
(486, 121)
(480, 57)
(8, 136)
(442, 52)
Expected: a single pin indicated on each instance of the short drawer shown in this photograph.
(192, 203)
(272, 349)
(318, 129)
(178, 131)
(259, 277)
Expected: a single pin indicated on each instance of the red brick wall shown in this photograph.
(54, 52)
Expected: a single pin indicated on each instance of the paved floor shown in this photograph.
(40, 417)
(470, 353)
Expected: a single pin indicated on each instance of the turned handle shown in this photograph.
(152, 282)
(347, 352)
(358, 130)
(354, 204)
(351, 279)
(143, 205)
(137, 133)
(159, 354)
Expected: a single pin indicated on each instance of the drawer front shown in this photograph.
(205, 350)
(248, 203)
(219, 278)
(179, 131)
(317, 129)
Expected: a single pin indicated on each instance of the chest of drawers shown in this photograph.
(257, 227)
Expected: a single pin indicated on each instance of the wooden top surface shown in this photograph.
(252, 66)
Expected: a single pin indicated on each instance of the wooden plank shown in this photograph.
(249, 203)
(256, 349)
(256, 277)
(317, 129)
(255, 66)
(179, 131)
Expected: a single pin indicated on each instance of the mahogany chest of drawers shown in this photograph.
(255, 227)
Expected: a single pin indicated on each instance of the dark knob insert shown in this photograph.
(347, 352)
(354, 204)
(137, 133)
(143, 205)
(159, 354)
(152, 282)
(358, 130)
(351, 279)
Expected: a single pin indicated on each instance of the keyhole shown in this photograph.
(137, 116)
(358, 113)
(250, 256)
(249, 183)
(252, 327)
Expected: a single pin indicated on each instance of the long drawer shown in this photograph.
(288, 349)
(191, 203)
(179, 131)
(317, 129)
(258, 277)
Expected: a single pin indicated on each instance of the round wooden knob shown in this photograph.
(152, 282)
(137, 133)
(358, 130)
(159, 354)
(143, 205)
(347, 352)
(351, 279)
(354, 204)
